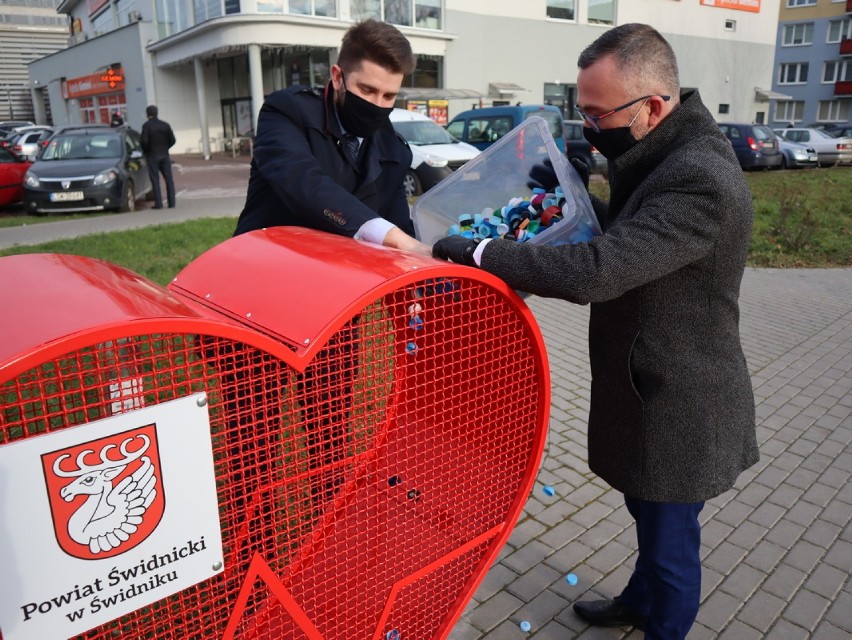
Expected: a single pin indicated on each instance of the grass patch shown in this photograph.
(801, 219)
(158, 252)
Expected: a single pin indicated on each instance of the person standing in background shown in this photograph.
(157, 139)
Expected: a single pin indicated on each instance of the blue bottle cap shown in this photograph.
(525, 626)
(571, 579)
(548, 490)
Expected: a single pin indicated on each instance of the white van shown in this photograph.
(436, 154)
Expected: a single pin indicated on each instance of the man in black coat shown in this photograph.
(331, 160)
(157, 139)
(671, 422)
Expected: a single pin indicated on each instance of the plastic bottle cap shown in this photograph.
(571, 579)
(548, 490)
(525, 626)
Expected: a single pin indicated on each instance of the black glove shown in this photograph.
(582, 169)
(456, 248)
(543, 176)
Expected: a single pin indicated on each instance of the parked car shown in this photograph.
(26, 142)
(483, 127)
(831, 151)
(576, 146)
(756, 145)
(91, 168)
(435, 153)
(12, 170)
(840, 132)
(7, 126)
(797, 156)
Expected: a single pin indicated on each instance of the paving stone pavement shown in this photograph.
(776, 549)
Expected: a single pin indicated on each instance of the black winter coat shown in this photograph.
(156, 138)
(672, 408)
(300, 175)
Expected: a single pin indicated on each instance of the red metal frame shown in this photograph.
(365, 485)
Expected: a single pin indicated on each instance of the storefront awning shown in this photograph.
(766, 94)
(423, 93)
(505, 88)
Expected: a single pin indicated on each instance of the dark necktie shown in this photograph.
(350, 146)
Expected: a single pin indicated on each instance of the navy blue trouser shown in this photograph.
(666, 584)
(156, 166)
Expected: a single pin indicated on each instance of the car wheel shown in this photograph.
(783, 162)
(412, 185)
(128, 203)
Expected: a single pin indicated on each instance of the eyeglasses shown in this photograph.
(592, 121)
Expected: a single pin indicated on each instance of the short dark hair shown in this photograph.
(378, 42)
(151, 111)
(645, 59)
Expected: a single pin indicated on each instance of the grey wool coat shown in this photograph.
(672, 408)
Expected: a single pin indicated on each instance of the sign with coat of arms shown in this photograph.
(104, 518)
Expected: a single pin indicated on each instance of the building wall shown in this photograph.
(726, 66)
(815, 54)
(482, 42)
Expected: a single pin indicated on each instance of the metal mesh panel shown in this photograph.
(404, 440)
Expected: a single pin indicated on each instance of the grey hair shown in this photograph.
(644, 58)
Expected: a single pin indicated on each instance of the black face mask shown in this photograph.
(361, 117)
(610, 142)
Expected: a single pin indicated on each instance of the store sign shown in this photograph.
(102, 519)
(740, 5)
(94, 84)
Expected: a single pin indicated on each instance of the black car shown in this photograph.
(756, 145)
(90, 168)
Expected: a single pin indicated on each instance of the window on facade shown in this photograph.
(232, 6)
(427, 14)
(560, 9)
(323, 8)
(798, 34)
(364, 9)
(789, 110)
(724, 108)
(730, 25)
(206, 9)
(795, 73)
(833, 110)
(800, 3)
(398, 12)
(602, 11)
(838, 30)
(836, 71)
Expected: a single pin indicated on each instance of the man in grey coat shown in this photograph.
(671, 422)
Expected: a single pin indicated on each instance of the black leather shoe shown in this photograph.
(609, 613)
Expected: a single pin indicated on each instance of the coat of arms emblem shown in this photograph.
(105, 495)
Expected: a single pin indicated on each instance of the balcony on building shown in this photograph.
(843, 88)
(846, 47)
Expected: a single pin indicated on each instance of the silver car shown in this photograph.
(795, 155)
(831, 151)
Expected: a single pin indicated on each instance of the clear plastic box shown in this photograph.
(500, 174)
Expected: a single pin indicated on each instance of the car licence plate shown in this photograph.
(66, 196)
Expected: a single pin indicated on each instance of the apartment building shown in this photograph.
(209, 63)
(813, 63)
(29, 30)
